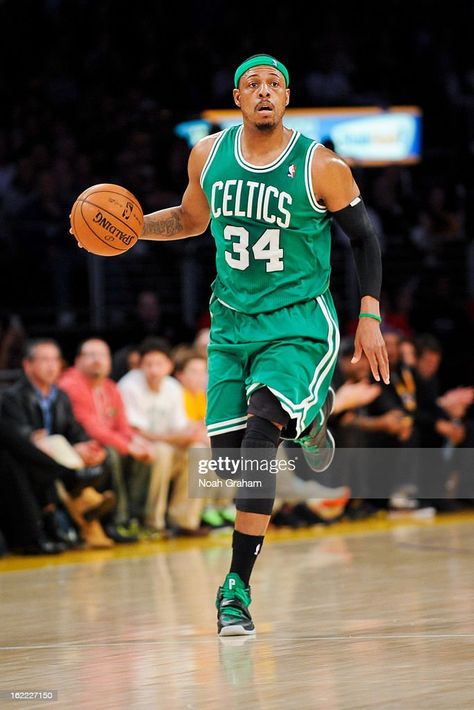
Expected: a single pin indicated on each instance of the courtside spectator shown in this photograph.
(191, 372)
(155, 409)
(43, 414)
(434, 408)
(98, 406)
(201, 341)
(27, 477)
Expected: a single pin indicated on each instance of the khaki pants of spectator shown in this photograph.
(171, 467)
(115, 466)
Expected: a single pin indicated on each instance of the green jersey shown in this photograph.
(273, 239)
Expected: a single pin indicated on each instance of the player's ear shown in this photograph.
(236, 94)
(287, 97)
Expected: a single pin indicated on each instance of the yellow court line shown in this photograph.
(374, 525)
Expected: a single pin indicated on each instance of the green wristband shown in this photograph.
(370, 315)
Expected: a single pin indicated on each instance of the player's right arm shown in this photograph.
(191, 217)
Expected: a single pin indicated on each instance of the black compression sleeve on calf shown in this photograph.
(260, 444)
(356, 224)
(260, 434)
(224, 444)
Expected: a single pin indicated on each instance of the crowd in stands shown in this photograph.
(126, 406)
(88, 461)
(108, 114)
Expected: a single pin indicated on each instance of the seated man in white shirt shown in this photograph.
(155, 409)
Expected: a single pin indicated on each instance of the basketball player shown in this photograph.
(270, 194)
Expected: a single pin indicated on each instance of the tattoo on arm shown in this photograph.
(167, 226)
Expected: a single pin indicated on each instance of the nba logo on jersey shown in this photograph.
(292, 170)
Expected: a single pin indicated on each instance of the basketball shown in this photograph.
(106, 219)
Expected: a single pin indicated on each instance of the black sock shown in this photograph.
(245, 550)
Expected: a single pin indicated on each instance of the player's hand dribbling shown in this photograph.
(78, 243)
(369, 340)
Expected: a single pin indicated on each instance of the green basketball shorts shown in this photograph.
(292, 351)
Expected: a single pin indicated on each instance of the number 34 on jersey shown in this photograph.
(266, 248)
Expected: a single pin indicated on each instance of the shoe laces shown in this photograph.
(239, 593)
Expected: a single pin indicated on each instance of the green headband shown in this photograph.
(259, 60)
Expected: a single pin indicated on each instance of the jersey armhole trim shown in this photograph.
(211, 156)
(309, 179)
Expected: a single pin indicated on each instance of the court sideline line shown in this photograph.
(371, 526)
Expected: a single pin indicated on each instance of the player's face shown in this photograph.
(95, 360)
(262, 97)
(44, 367)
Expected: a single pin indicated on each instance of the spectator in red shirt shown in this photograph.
(98, 406)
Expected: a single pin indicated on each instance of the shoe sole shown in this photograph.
(235, 630)
(329, 436)
(331, 449)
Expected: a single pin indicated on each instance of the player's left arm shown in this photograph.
(335, 187)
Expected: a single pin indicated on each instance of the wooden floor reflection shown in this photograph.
(380, 620)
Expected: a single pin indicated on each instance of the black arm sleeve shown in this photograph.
(355, 222)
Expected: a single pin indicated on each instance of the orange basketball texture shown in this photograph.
(106, 219)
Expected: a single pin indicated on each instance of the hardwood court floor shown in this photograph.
(367, 615)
